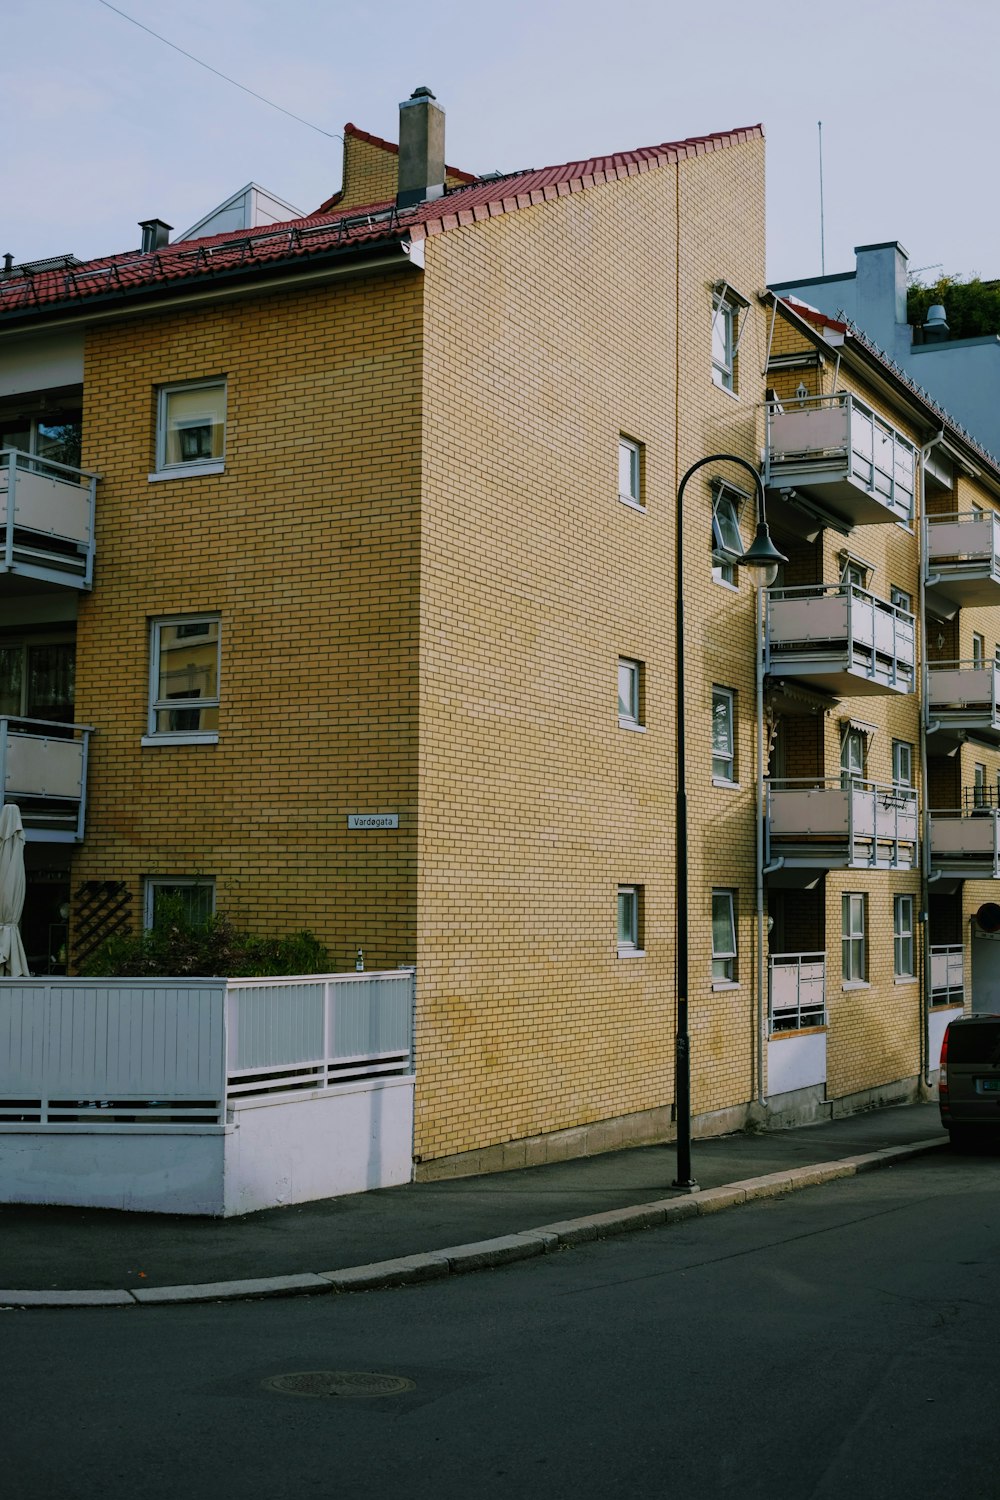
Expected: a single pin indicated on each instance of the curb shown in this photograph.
(483, 1254)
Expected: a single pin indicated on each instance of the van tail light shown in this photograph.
(943, 1075)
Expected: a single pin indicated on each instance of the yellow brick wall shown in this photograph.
(307, 547)
(549, 332)
(371, 173)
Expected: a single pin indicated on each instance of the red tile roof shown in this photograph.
(330, 203)
(300, 240)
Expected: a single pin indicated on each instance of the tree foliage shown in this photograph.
(178, 947)
(972, 306)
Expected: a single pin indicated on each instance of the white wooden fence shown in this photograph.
(174, 1053)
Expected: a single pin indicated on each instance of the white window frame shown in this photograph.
(902, 763)
(157, 705)
(154, 883)
(724, 334)
(979, 784)
(901, 599)
(854, 939)
(214, 465)
(853, 766)
(628, 447)
(724, 956)
(721, 774)
(630, 670)
(629, 921)
(724, 558)
(903, 948)
(978, 649)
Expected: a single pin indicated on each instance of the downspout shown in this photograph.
(762, 1006)
(925, 946)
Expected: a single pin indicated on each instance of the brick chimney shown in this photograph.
(421, 149)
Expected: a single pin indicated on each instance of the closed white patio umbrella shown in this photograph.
(12, 956)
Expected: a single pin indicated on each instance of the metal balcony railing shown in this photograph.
(841, 638)
(43, 768)
(46, 519)
(962, 551)
(964, 695)
(965, 841)
(838, 447)
(822, 823)
(796, 991)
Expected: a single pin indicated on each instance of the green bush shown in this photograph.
(179, 948)
(972, 306)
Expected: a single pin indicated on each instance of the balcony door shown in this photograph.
(37, 679)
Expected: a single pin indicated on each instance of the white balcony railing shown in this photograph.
(966, 844)
(796, 991)
(46, 519)
(840, 637)
(962, 549)
(964, 695)
(820, 823)
(947, 975)
(43, 768)
(839, 448)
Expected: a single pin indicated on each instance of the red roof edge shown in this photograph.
(383, 145)
(813, 315)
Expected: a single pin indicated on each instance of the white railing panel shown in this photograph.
(820, 429)
(55, 507)
(38, 766)
(276, 1023)
(370, 1021)
(955, 836)
(807, 619)
(22, 1041)
(135, 1039)
(809, 810)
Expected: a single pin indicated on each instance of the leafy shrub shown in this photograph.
(178, 947)
(972, 307)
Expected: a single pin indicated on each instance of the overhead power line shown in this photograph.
(332, 135)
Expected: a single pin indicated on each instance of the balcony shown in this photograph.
(823, 824)
(796, 991)
(966, 844)
(964, 696)
(46, 520)
(963, 557)
(43, 768)
(837, 450)
(841, 639)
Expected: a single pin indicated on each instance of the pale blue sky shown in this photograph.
(109, 126)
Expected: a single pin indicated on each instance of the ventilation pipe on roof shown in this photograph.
(936, 325)
(421, 149)
(155, 234)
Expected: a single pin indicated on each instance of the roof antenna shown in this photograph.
(822, 230)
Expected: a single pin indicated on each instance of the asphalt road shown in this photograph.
(840, 1341)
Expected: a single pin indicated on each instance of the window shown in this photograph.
(855, 574)
(724, 317)
(853, 915)
(630, 704)
(723, 937)
(978, 649)
(902, 763)
(727, 543)
(191, 428)
(723, 734)
(901, 599)
(629, 921)
(979, 786)
(630, 472)
(853, 746)
(902, 937)
(184, 679)
(194, 896)
(37, 678)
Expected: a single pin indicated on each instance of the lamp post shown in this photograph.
(762, 554)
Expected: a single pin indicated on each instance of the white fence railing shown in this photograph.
(79, 1053)
(796, 990)
(947, 976)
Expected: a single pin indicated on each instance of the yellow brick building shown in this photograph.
(367, 626)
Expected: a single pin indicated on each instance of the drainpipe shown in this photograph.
(925, 879)
(761, 915)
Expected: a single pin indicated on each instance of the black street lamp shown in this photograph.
(763, 557)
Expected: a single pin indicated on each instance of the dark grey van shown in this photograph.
(969, 1082)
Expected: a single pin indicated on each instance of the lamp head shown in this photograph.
(763, 557)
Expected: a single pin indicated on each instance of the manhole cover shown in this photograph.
(350, 1383)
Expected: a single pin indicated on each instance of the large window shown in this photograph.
(630, 472)
(630, 937)
(191, 428)
(723, 734)
(192, 896)
(630, 705)
(184, 678)
(723, 937)
(902, 937)
(853, 945)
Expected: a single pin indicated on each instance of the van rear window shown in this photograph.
(978, 1043)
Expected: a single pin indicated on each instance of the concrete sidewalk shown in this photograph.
(52, 1254)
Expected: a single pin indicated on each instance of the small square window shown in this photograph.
(853, 924)
(193, 897)
(902, 932)
(630, 694)
(723, 734)
(723, 937)
(191, 427)
(184, 677)
(630, 472)
(629, 920)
